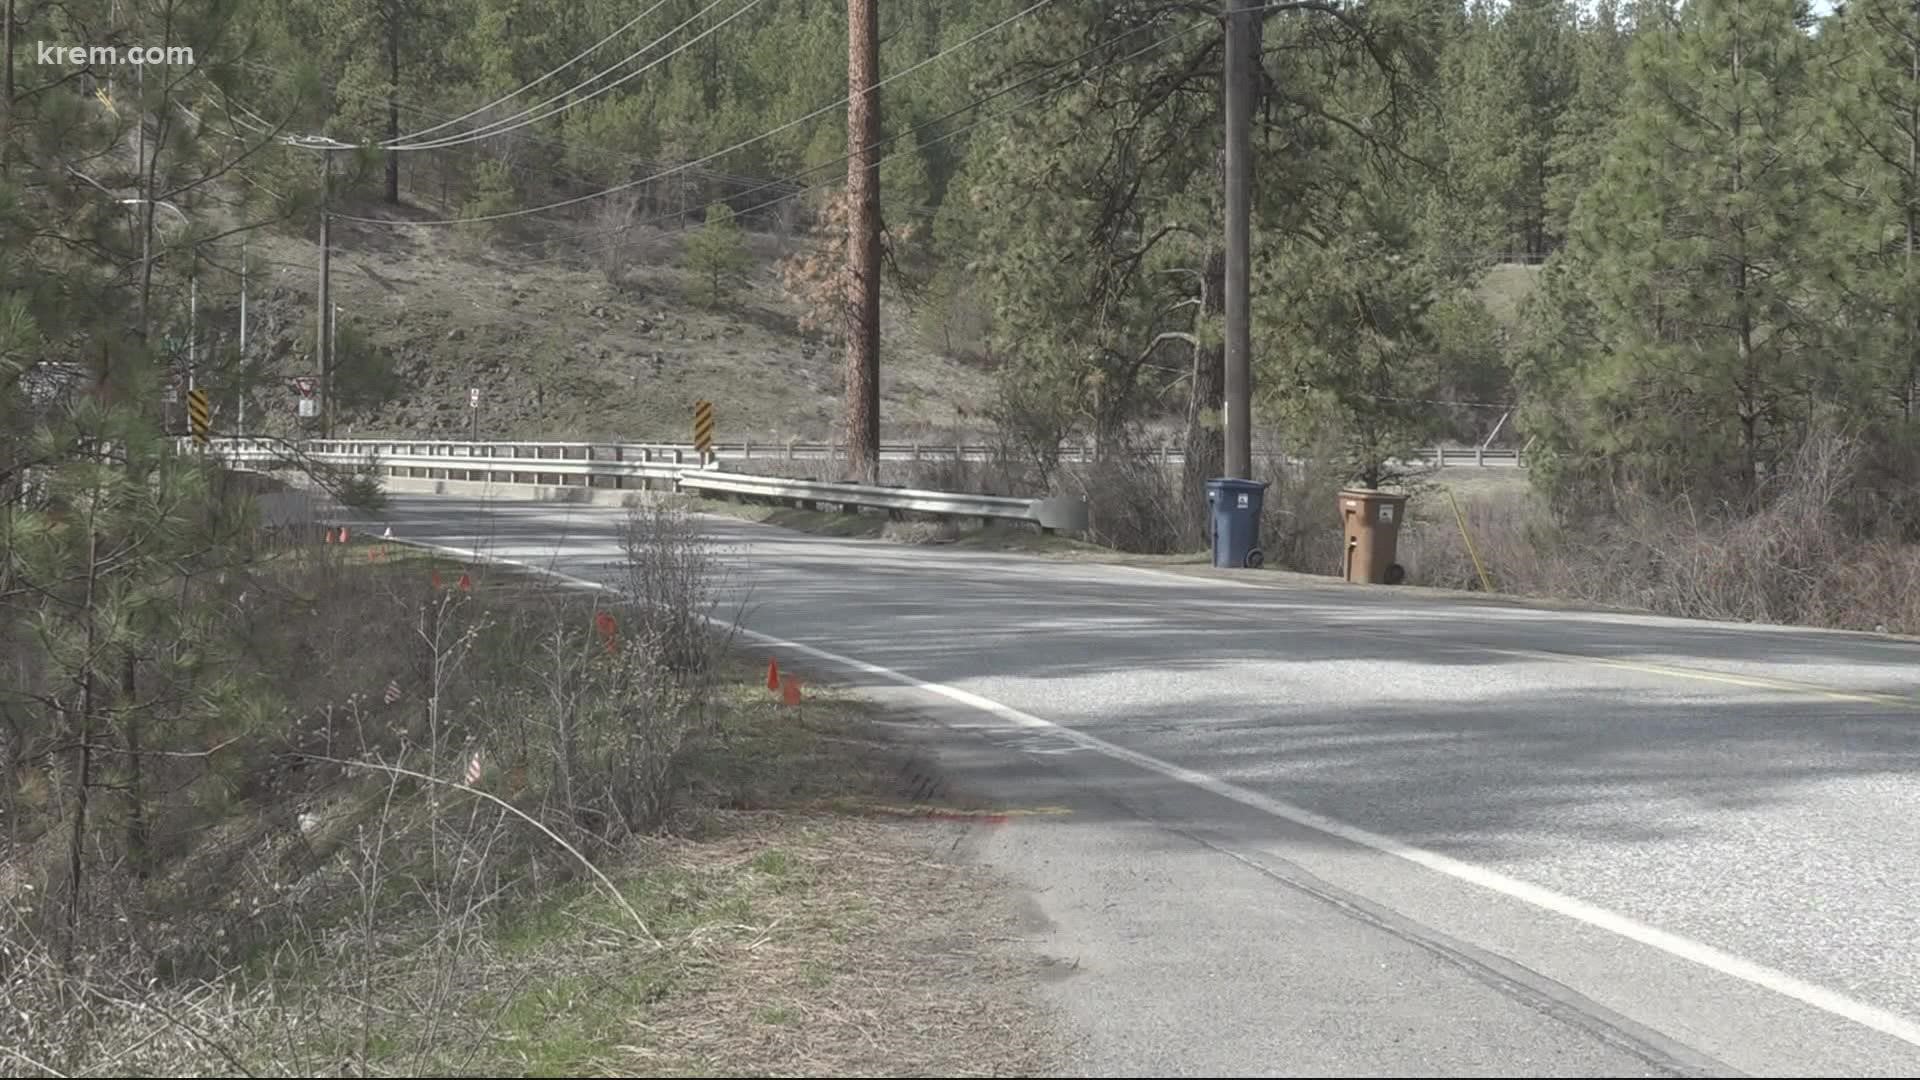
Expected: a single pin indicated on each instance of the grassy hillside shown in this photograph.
(560, 352)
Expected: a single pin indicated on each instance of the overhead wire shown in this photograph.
(676, 169)
(503, 99)
(505, 125)
(617, 157)
(328, 143)
(1031, 100)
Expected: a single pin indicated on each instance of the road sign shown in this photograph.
(703, 427)
(306, 385)
(473, 397)
(309, 407)
(201, 413)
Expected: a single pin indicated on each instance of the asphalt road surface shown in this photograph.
(1366, 831)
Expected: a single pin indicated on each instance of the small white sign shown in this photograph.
(1243, 500)
(473, 397)
(309, 407)
(1386, 513)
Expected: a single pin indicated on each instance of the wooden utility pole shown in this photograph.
(323, 341)
(863, 240)
(1239, 108)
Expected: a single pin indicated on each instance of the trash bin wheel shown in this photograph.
(1396, 574)
(1254, 559)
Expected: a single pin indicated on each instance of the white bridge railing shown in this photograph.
(592, 465)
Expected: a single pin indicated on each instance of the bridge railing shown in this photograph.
(633, 466)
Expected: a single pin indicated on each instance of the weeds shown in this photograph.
(317, 886)
(1801, 558)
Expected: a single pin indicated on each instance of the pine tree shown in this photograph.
(1871, 135)
(716, 255)
(1504, 91)
(109, 534)
(1682, 353)
(1586, 126)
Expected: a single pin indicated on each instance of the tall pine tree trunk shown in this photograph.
(83, 760)
(863, 240)
(1911, 384)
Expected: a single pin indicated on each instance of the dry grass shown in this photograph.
(1799, 559)
(869, 953)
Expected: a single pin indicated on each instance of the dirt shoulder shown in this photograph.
(824, 918)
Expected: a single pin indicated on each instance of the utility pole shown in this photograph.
(240, 383)
(146, 205)
(863, 239)
(323, 344)
(1240, 15)
(193, 317)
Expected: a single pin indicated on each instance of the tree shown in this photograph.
(716, 255)
(1504, 92)
(1580, 140)
(1871, 137)
(1363, 329)
(107, 533)
(1679, 350)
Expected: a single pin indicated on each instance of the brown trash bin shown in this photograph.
(1370, 521)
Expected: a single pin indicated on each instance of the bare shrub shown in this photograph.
(1798, 559)
(615, 243)
(671, 583)
(1300, 526)
(1134, 504)
(998, 474)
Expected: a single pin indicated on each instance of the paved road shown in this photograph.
(1365, 831)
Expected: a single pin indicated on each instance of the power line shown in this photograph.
(590, 50)
(328, 143)
(744, 143)
(501, 127)
(907, 150)
(616, 157)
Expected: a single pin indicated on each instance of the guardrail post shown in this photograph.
(1480, 456)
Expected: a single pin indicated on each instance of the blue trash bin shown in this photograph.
(1235, 509)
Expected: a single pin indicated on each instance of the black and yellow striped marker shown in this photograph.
(702, 427)
(200, 414)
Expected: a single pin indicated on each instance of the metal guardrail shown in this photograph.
(645, 465)
(588, 463)
(1060, 512)
(748, 450)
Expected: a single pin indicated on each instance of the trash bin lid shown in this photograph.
(1229, 483)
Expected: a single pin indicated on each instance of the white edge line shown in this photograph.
(1707, 956)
